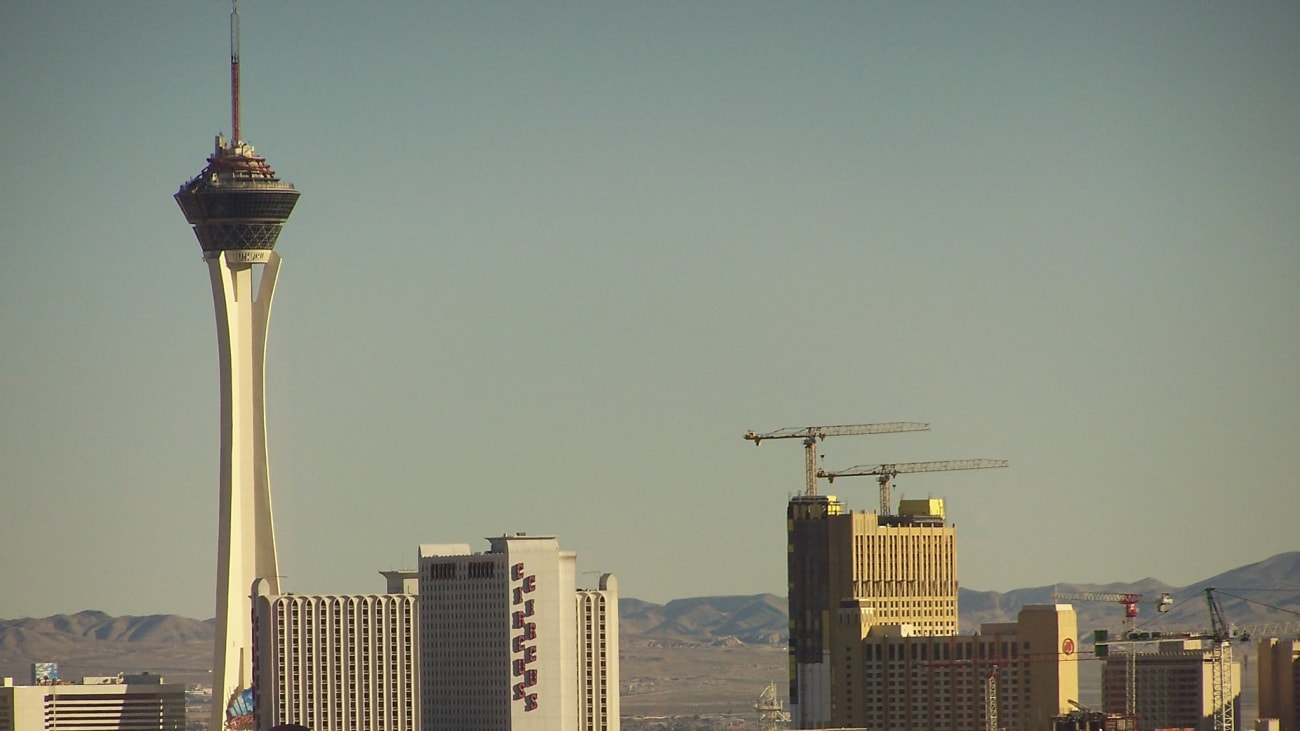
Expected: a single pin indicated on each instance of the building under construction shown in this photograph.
(898, 569)
(893, 570)
(1173, 686)
(873, 630)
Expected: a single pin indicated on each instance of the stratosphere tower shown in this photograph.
(237, 207)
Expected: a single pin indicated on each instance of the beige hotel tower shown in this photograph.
(873, 630)
(896, 569)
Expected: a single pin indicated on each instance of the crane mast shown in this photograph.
(887, 472)
(991, 700)
(813, 434)
(771, 712)
(1222, 691)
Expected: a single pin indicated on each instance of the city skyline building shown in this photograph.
(508, 642)
(598, 678)
(142, 702)
(237, 206)
(1279, 681)
(897, 569)
(1173, 686)
(338, 662)
(1009, 675)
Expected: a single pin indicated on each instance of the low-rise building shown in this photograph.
(1173, 686)
(121, 703)
(896, 677)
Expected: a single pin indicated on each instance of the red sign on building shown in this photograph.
(523, 653)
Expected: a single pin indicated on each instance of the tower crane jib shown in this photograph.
(1130, 602)
(886, 473)
(813, 434)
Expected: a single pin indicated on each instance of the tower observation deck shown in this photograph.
(236, 203)
(237, 207)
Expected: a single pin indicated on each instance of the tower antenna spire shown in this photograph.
(234, 73)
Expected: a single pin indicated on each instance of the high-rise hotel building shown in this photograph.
(598, 703)
(896, 569)
(507, 641)
(499, 640)
(338, 662)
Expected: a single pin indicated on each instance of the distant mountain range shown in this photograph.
(1255, 594)
(759, 619)
(93, 643)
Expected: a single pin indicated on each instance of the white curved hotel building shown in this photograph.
(498, 640)
(338, 662)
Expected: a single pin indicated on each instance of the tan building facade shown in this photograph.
(1279, 681)
(903, 568)
(898, 677)
(896, 570)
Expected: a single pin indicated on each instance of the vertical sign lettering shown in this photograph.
(522, 653)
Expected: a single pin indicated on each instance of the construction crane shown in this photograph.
(1130, 602)
(887, 472)
(991, 700)
(1268, 629)
(1222, 691)
(813, 434)
(771, 712)
(1083, 718)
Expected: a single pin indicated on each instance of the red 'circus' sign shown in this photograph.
(524, 654)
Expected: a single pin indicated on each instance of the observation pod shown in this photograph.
(236, 203)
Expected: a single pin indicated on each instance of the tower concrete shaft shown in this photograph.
(246, 533)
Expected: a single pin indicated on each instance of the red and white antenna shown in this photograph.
(234, 73)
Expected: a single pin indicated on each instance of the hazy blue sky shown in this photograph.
(552, 260)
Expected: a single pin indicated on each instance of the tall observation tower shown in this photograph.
(237, 206)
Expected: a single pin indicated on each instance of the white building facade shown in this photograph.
(105, 703)
(338, 662)
(500, 639)
(598, 699)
